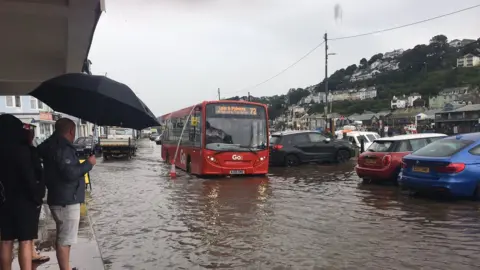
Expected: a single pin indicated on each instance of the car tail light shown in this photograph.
(386, 160)
(277, 146)
(451, 168)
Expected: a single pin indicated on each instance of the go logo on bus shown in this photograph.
(236, 157)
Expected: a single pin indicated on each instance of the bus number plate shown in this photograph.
(237, 172)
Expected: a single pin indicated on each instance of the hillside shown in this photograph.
(425, 69)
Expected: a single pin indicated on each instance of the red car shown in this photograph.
(383, 159)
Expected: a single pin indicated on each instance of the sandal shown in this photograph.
(40, 258)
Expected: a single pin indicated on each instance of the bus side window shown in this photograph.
(196, 130)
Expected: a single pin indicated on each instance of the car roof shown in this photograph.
(292, 132)
(468, 136)
(356, 133)
(411, 137)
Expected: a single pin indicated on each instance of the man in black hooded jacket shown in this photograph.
(22, 192)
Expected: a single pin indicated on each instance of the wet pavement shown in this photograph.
(85, 255)
(310, 217)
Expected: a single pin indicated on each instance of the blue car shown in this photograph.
(450, 165)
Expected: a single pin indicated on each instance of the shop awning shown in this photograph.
(44, 39)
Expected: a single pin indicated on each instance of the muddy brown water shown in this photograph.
(310, 217)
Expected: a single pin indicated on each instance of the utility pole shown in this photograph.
(219, 94)
(249, 99)
(326, 79)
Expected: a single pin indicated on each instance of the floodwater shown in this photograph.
(311, 217)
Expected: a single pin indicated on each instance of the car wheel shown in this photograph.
(291, 161)
(395, 176)
(476, 193)
(342, 156)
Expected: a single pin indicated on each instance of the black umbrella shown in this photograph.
(96, 99)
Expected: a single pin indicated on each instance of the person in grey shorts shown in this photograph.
(64, 177)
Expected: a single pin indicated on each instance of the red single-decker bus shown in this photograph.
(220, 138)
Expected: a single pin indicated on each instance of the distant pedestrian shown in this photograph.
(64, 175)
(21, 195)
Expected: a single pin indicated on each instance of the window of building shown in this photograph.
(13, 101)
(18, 101)
(33, 103)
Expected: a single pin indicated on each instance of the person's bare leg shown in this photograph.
(25, 254)
(63, 257)
(6, 253)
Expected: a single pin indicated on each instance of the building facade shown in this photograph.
(32, 111)
(468, 60)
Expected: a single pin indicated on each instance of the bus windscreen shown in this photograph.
(236, 127)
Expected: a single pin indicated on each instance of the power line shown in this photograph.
(354, 36)
(407, 25)
(281, 72)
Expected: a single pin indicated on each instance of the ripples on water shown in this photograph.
(311, 217)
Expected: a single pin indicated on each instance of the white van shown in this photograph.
(356, 136)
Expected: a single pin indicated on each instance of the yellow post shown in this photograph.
(83, 206)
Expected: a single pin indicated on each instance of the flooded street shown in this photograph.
(311, 217)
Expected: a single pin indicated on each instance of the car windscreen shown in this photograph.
(275, 140)
(362, 137)
(443, 148)
(380, 146)
(371, 137)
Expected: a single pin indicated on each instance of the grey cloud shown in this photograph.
(177, 53)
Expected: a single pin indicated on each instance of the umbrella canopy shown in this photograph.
(96, 99)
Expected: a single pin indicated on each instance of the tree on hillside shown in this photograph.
(295, 95)
(439, 39)
(363, 63)
(350, 69)
(473, 47)
(374, 58)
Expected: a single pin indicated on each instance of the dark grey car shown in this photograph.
(292, 148)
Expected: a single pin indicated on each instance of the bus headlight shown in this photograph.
(212, 159)
(259, 161)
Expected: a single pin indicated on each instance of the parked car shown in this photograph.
(449, 165)
(356, 136)
(83, 146)
(153, 136)
(383, 159)
(292, 148)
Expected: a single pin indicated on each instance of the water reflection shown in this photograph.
(310, 217)
(225, 218)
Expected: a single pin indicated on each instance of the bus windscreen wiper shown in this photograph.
(251, 149)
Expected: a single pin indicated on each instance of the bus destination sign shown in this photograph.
(237, 110)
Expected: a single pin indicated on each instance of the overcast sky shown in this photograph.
(176, 53)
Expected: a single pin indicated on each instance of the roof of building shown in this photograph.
(431, 113)
(408, 112)
(363, 117)
(383, 113)
(468, 108)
